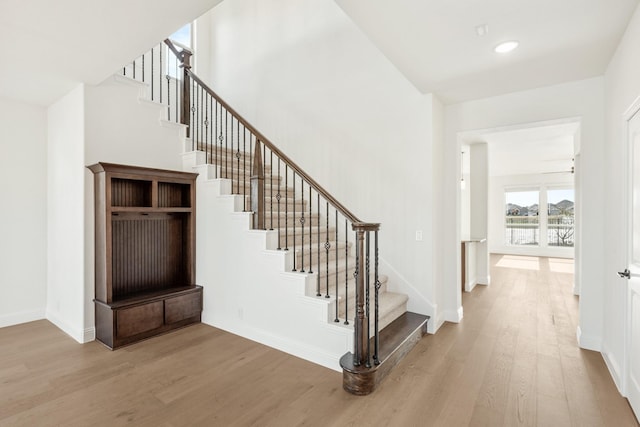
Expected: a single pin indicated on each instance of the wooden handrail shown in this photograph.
(178, 53)
(297, 169)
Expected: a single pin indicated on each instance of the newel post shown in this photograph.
(185, 110)
(257, 188)
(362, 351)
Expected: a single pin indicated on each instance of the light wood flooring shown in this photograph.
(512, 361)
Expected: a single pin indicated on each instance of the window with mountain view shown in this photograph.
(560, 217)
(522, 225)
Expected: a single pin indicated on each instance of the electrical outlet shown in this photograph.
(419, 236)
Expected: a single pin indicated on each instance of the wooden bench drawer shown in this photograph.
(182, 307)
(139, 319)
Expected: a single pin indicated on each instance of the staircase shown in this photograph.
(283, 228)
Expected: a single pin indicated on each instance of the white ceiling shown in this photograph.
(547, 148)
(434, 42)
(51, 46)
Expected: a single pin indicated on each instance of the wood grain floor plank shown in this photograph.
(513, 360)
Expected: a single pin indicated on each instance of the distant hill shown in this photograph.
(554, 208)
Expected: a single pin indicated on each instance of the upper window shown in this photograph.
(184, 38)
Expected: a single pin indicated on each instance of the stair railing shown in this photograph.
(308, 220)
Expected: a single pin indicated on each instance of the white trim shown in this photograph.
(588, 342)
(21, 317)
(614, 369)
(632, 110)
(75, 333)
(453, 316)
(484, 280)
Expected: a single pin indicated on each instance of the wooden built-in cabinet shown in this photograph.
(145, 252)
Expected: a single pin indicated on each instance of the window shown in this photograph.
(182, 38)
(522, 226)
(527, 225)
(560, 217)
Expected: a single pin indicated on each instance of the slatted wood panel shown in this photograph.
(129, 192)
(174, 195)
(148, 253)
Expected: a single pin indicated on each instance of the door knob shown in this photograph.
(625, 274)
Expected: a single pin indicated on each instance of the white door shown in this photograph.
(633, 271)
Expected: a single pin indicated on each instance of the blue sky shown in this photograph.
(183, 35)
(528, 198)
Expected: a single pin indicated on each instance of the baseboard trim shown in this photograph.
(313, 354)
(75, 333)
(614, 369)
(588, 342)
(21, 317)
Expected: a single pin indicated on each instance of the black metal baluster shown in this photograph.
(232, 158)
(160, 74)
(134, 69)
(366, 296)
(355, 282)
(143, 68)
(199, 122)
(152, 72)
(294, 222)
(175, 116)
(310, 239)
(206, 127)
(211, 133)
(226, 145)
(336, 319)
(376, 350)
(302, 225)
(218, 136)
(346, 272)
(251, 147)
(238, 155)
(278, 197)
(271, 188)
(318, 242)
(244, 166)
(327, 247)
(286, 207)
(264, 193)
(168, 97)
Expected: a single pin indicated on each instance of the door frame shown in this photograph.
(630, 113)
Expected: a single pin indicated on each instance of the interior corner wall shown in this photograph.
(584, 99)
(622, 87)
(65, 214)
(23, 219)
(304, 74)
(119, 128)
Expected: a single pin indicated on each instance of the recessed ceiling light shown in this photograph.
(505, 47)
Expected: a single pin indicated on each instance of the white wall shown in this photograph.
(65, 211)
(622, 84)
(121, 128)
(583, 99)
(305, 75)
(479, 204)
(107, 123)
(497, 187)
(23, 184)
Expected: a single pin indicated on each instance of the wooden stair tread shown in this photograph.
(397, 331)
